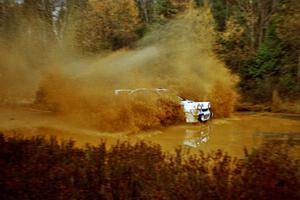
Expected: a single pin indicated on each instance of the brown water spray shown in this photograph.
(178, 56)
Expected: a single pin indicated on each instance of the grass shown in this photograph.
(40, 168)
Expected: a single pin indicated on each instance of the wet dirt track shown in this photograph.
(230, 134)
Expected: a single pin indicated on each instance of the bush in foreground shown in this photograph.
(37, 168)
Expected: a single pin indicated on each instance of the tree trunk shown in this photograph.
(261, 20)
(298, 71)
(144, 7)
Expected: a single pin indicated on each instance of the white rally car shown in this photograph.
(194, 111)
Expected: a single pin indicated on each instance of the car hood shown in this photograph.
(195, 105)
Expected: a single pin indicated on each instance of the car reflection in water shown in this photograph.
(195, 137)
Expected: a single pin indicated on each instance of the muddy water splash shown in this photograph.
(178, 56)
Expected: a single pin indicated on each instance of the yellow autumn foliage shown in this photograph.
(108, 24)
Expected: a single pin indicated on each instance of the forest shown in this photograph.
(257, 40)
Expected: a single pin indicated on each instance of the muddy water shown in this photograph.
(230, 134)
(233, 134)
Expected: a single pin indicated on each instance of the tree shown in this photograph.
(232, 46)
(10, 13)
(69, 22)
(288, 30)
(221, 12)
(146, 10)
(108, 24)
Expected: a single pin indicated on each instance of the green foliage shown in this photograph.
(220, 11)
(260, 73)
(267, 60)
(37, 168)
(265, 52)
(288, 84)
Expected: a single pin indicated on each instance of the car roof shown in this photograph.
(131, 91)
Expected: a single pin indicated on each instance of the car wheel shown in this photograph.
(201, 118)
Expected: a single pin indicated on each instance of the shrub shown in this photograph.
(40, 168)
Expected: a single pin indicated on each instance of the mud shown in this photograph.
(230, 134)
